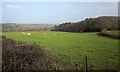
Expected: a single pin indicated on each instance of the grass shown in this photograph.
(0, 33)
(114, 32)
(69, 48)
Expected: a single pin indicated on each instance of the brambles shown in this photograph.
(22, 56)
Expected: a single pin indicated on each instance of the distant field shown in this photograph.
(69, 48)
(26, 27)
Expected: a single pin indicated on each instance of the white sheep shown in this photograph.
(44, 33)
(55, 34)
(23, 33)
(29, 34)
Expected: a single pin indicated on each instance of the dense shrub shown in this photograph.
(22, 56)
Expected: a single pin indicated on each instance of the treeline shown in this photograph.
(90, 25)
(25, 27)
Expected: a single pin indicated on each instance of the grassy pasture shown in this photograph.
(114, 32)
(69, 48)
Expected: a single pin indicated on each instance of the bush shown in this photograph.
(23, 56)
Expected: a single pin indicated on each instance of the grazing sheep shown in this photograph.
(23, 33)
(55, 34)
(44, 33)
(29, 34)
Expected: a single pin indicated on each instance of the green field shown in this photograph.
(69, 48)
(114, 32)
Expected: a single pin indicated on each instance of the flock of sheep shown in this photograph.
(27, 33)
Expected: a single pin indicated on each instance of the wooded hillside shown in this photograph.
(90, 24)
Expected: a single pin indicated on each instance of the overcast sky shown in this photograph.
(54, 12)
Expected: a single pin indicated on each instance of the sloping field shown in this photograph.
(71, 48)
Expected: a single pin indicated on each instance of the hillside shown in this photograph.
(90, 24)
